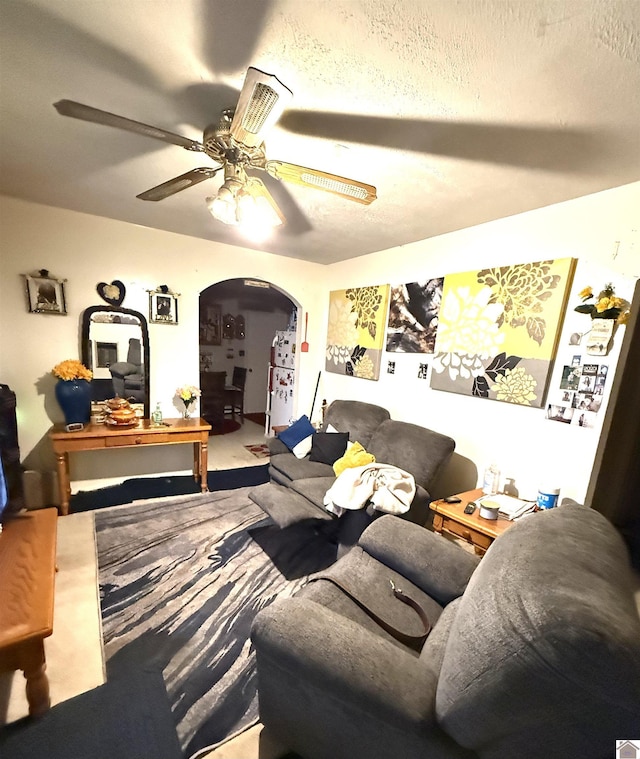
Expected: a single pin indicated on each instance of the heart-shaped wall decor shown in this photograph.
(113, 294)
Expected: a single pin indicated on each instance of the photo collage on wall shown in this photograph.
(579, 397)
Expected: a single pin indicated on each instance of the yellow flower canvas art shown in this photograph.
(355, 333)
(498, 330)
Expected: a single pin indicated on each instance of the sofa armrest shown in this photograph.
(329, 653)
(277, 446)
(437, 566)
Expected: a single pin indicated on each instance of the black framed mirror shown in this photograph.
(115, 346)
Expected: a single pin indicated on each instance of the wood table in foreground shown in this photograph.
(27, 581)
(479, 532)
(101, 436)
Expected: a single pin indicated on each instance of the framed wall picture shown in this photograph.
(211, 324)
(355, 332)
(163, 306)
(498, 330)
(45, 294)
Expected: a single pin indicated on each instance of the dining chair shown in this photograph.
(234, 393)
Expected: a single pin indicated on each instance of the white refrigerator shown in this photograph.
(281, 381)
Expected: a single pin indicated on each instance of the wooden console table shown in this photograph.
(27, 580)
(479, 532)
(98, 436)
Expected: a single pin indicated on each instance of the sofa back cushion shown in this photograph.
(357, 418)
(543, 658)
(417, 450)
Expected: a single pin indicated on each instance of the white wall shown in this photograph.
(524, 444)
(87, 250)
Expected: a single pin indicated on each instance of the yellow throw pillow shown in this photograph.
(354, 456)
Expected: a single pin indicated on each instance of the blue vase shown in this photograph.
(74, 397)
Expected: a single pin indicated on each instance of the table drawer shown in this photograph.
(139, 439)
(467, 533)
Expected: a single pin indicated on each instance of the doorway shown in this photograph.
(238, 320)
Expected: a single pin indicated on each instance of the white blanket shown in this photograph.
(386, 487)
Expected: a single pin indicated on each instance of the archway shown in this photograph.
(238, 321)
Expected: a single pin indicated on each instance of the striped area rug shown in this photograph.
(181, 580)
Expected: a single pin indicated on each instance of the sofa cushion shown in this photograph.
(284, 506)
(298, 437)
(418, 450)
(296, 469)
(328, 447)
(314, 488)
(369, 580)
(355, 417)
(547, 623)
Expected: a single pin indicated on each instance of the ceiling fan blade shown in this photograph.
(262, 100)
(177, 184)
(87, 113)
(322, 180)
(267, 206)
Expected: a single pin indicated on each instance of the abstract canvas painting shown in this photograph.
(498, 330)
(355, 333)
(413, 316)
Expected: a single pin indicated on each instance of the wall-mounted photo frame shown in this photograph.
(211, 324)
(45, 294)
(163, 306)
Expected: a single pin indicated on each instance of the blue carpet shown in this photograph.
(126, 718)
(165, 487)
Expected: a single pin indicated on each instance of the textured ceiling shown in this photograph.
(458, 112)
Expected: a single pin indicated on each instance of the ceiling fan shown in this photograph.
(236, 143)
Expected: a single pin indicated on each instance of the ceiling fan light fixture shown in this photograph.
(223, 207)
(256, 211)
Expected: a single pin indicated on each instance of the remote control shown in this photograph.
(452, 499)
(470, 508)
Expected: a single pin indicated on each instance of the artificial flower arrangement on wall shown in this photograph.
(606, 306)
(606, 311)
(498, 330)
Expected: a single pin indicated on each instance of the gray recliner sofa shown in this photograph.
(298, 486)
(534, 651)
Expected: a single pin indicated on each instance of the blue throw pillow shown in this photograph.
(300, 430)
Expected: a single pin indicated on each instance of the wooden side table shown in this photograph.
(100, 436)
(27, 580)
(450, 518)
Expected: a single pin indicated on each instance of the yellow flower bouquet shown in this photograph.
(188, 394)
(72, 369)
(606, 305)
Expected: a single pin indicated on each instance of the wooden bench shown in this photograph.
(27, 579)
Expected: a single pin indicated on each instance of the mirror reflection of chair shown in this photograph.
(212, 400)
(128, 376)
(234, 400)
